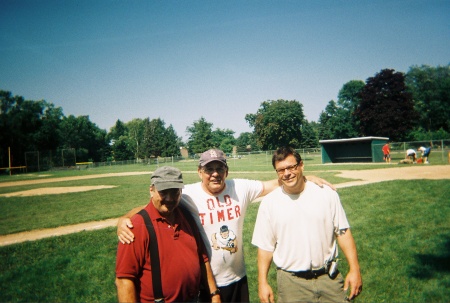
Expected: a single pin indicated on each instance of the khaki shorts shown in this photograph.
(320, 289)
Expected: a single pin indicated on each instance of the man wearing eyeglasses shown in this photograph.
(297, 227)
(219, 201)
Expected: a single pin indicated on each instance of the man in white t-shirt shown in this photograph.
(218, 201)
(297, 226)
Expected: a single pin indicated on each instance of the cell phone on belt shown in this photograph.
(333, 271)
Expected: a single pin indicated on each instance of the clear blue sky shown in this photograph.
(181, 60)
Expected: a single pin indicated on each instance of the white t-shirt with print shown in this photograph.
(227, 208)
(301, 229)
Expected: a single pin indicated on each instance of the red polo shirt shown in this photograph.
(180, 268)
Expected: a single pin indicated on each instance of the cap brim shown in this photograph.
(214, 160)
(168, 185)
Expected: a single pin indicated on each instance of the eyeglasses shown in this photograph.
(290, 168)
(168, 194)
(211, 170)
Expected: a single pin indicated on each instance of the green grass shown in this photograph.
(401, 230)
(47, 211)
(402, 233)
(73, 268)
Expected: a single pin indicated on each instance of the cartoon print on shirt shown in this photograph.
(225, 240)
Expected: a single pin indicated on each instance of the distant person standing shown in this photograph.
(387, 153)
(411, 153)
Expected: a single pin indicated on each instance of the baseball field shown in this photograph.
(58, 238)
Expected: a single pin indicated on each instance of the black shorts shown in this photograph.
(235, 292)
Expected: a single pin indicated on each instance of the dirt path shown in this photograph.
(433, 172)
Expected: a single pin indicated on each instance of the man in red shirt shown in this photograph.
(387, 153)
(178, 247)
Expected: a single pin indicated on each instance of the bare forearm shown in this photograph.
(265, 291)
(126, 290)
(269, 186)
(211, 282)
(264, 261)
(348, 246)
(353, 280)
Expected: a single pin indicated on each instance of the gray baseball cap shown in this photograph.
(167, 177)
(212, 155)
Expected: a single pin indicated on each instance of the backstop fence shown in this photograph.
(47, 160)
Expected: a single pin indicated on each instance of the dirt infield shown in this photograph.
(361, 177)
(54, 190)
(412, 172)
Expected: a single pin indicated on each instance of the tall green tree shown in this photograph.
(86, 137)
(338, 121)
(329, 122)
(349, 95)
(122, 149)
(430, 88)
(386, 108)
(246, 142)
(49, 135)
(119, 129)
(172, 143)
(153, 142)
(223, 139)
(310, 136)
(278, 123)
(121, 144)
(11, 135)
(200, 136)
(136, 136)
(153, 139)
(26, 125)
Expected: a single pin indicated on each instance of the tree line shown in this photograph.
(404, 107)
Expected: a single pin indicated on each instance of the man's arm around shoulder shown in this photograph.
(124, 226)
(269, 186)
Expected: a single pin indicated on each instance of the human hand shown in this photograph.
(353, 281)
(123, 230)
(265, 293)
(319, 181)
(216, 299)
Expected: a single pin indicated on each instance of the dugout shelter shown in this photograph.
(361, 149)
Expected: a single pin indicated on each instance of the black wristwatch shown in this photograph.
(216, 292)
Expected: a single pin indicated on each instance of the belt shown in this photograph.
(310, 274)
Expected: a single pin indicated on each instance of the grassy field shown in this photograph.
(401, 230)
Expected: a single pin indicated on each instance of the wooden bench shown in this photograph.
(356, 159)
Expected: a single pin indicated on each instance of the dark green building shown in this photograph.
(362, 149)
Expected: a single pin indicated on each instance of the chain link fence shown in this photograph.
(65, 159)
(50, 159)
(440, 149)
